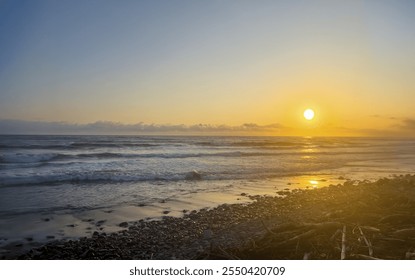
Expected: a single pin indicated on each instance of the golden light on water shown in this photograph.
(314, 183)
(309, 114)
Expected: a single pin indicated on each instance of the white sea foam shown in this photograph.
(26, 157)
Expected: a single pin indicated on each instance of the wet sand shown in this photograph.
(355, 220)
(22, 232)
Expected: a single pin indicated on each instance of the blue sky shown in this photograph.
(215, 62)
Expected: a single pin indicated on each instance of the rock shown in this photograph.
(123, 224)
(193, 175)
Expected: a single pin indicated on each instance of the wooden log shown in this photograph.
(368, 243)
(405, 233)
(364, 257)
(295, 238)
(343, 252)
(409, 256)
(371, 229)
(266, 228)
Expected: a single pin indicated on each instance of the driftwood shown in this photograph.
(404, 233)
(379, 216)
(364, 257)
(266, 228)
(228, 255)
(368, 243)
(409, 256)
(343, 252)
(295, 238)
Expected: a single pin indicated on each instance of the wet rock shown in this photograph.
(193, 175)
(123, 224)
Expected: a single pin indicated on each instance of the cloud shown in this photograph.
(104, 127)
(384, 117)
(408, 124)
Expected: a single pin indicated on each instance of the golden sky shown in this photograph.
(218, 63)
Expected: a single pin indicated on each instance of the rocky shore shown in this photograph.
(355, 220)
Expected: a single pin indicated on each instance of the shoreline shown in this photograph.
(297, 224)
(21, 232)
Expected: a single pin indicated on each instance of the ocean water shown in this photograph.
(52, 173)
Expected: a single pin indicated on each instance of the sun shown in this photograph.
(309, 114)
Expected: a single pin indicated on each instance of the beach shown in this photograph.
(354, 220)
(183, 195)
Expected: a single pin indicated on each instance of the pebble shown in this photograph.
(186, 238)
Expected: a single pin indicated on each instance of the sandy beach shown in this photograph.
(353, 220)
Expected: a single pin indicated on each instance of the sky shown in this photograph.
(227, 67)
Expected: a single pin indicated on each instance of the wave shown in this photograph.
(49, 157)
(116, 177)
(97, 177)
(74, 146)
(27, 158)
(111, 145)
(17, 158)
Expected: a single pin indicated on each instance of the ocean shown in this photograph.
(69, 179)
(44, 173)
